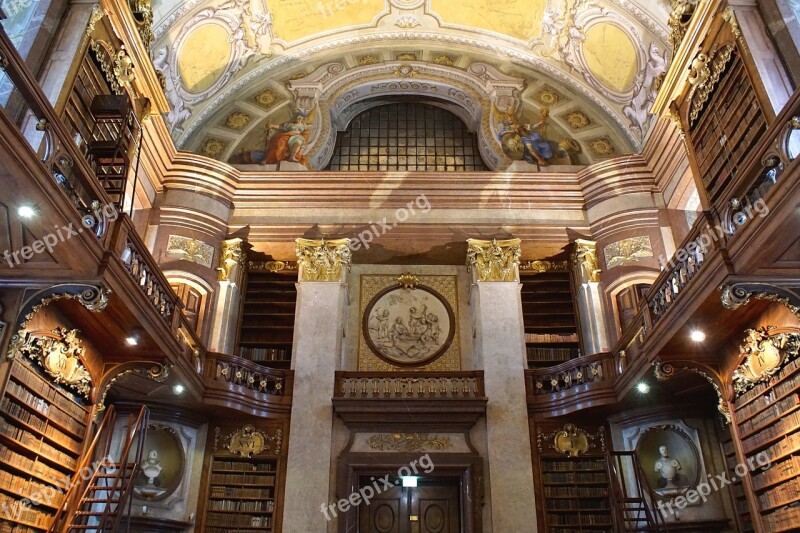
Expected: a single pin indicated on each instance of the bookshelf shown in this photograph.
(42, 429)
(548, 313)
(576, 494)
(267, 326)
(243, 475)
(733, 113)
(767, 419)
(737, 491)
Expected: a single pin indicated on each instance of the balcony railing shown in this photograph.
(409, 385)
(231, 381)
(26, 106)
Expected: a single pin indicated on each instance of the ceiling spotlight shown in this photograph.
(26, 211)
(643, 387)
(178, 389)
(697, 335)
(131, 341)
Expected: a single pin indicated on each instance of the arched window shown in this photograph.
(406, 136)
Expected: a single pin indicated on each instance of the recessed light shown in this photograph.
(697, 335)
(26, 211)
(178, 389)
(131, 341)
(643, 387)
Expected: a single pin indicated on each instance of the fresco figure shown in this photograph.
(524, 140)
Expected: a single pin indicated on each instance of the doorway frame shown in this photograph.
(467, 468)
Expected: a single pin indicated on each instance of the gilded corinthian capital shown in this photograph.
(322, 260)
(494, 260)
(231, 256)
(584, 261)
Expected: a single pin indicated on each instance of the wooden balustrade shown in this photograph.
(409, 385)
(572, 373)
(30, 110)
(252, 376)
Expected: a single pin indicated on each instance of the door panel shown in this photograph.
(386, 513)
(437, 508)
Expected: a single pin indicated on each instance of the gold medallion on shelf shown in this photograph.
(763, 354)
(249, 441)
(272, 266)
(494, 260)
(408, 442)
(571, 440)
(59, 354)
(539, 267)
(322, 260)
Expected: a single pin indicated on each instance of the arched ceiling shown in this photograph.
(232, 66)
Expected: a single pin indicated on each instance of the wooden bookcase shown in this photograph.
(243, 480)
(767, 419)
(728, 128)
(737, 487)
(267, 327)
(551, 330)
(42, 431)
(576, 493)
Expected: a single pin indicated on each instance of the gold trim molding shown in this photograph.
(494, 260)
(408, 442)
(322, 260)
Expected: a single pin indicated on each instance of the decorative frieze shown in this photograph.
(192, 250)
(408, 442)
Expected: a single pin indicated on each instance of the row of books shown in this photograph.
(259, 354)
(573, 466)
(237, 520)
(34, 466)
(759, 389)
(578, 505)
(787, 424)
(551, 337)
(45, 390)
(266, 506)
(40, 424)
(780, 495)
(244, 466)
(239, 492)
(11, 527)
(40, 405)
(785, 470)
(33, 490)
(769, 414)
(582, 519)
(574, 477)
(575, 492)
(242, 479)
(543, 353)
(783, 519)
(36, 445)
(22, 513)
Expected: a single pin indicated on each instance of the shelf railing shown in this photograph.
(238, 372)
(408, 385)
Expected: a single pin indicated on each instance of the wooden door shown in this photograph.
(435, 509)
(430, 508)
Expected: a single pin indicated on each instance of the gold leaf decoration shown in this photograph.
(408, 442)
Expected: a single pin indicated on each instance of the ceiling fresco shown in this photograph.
(234, 68)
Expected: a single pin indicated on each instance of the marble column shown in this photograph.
(496, 306)
(589, 298)
(318, 326)
(229, 297)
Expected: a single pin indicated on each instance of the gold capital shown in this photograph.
(494, 260)
(322, 260)
(232, 254)
(584, 261)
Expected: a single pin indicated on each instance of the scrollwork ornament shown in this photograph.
(60, 356)
(408, 442)
(763, 354)
(494, 260)
(123, 69)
